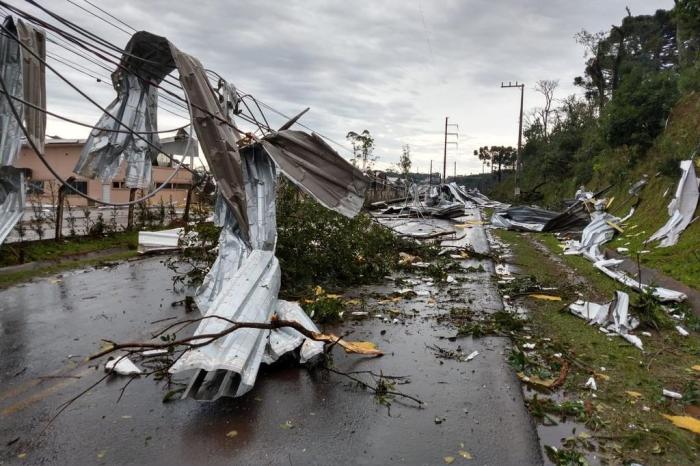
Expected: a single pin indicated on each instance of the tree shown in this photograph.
(405, 161)
(546, 87)
(485, 156)
(497, 155)
(362, 148)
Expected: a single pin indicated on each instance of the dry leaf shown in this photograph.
(449, 459)
(353, 302)
(634, 394)
(232, 434)
(685, 422)
(696, 367)
(360, 347)
(535, 380)
(546, 297)
(465, 454)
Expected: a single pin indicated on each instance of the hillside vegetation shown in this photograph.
(639, 115)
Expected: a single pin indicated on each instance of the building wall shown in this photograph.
(64, 155)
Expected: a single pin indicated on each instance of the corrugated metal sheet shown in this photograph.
(681, 208)
(11, 69)
(24, 77)
(104, 151)
(12, 198)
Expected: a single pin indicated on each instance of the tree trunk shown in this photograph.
(130, 215)
(58, 233)
(188, 202)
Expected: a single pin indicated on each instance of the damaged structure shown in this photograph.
(23, 77)
(244, 281)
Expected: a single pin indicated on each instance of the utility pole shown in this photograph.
(430, 176)
(455, 172)
(518, 161)
(444, 156)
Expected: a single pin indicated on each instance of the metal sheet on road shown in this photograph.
(331, 420)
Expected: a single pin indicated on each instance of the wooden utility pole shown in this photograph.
(430, 176)
(455, 172)
(518, 161)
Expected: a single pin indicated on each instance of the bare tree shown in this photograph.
(546, 87)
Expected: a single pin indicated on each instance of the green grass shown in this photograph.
(66, 254)
(50, 250)
(665, 363)
(13, 278)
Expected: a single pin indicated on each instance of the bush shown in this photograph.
(318, 246)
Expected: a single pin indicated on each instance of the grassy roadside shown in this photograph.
(13, 278)
(49, 250)
(625, 414)
(68, 254)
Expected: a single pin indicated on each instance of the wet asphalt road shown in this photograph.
(47, 327)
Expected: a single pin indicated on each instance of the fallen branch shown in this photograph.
(197, 341)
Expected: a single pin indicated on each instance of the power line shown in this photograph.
(98, 17)
(255, 99)
(108, 14)
(41, 156)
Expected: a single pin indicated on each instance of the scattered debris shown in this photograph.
(672, 394)
(590, 384)
(611, 317)
(681, 207)
(162, 240)
(122, 365)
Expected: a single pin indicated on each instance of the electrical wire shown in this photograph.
(87, 97)
(98, 17)
(108, 14)
(65, 183)
(258, 102)
(92, 127)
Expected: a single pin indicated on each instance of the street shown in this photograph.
(292, 416)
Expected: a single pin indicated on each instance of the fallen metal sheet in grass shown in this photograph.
(663, 294)
(681, 208)
(611, 317)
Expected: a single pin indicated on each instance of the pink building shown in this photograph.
(63, 154)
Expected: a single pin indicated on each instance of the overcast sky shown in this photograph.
(396, 68)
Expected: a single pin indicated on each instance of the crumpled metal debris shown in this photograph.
(12, 199)
(611, 317)
(527, 218)
(681, 208)
(243, 283)
(663, 294)
(24, 77)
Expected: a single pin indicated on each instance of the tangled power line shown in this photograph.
(93, 56)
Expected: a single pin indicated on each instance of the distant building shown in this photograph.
(63, 154)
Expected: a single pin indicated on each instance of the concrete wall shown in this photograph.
(64, 154)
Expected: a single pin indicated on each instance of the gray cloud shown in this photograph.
(394, 67)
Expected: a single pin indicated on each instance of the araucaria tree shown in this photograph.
(362, 149)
